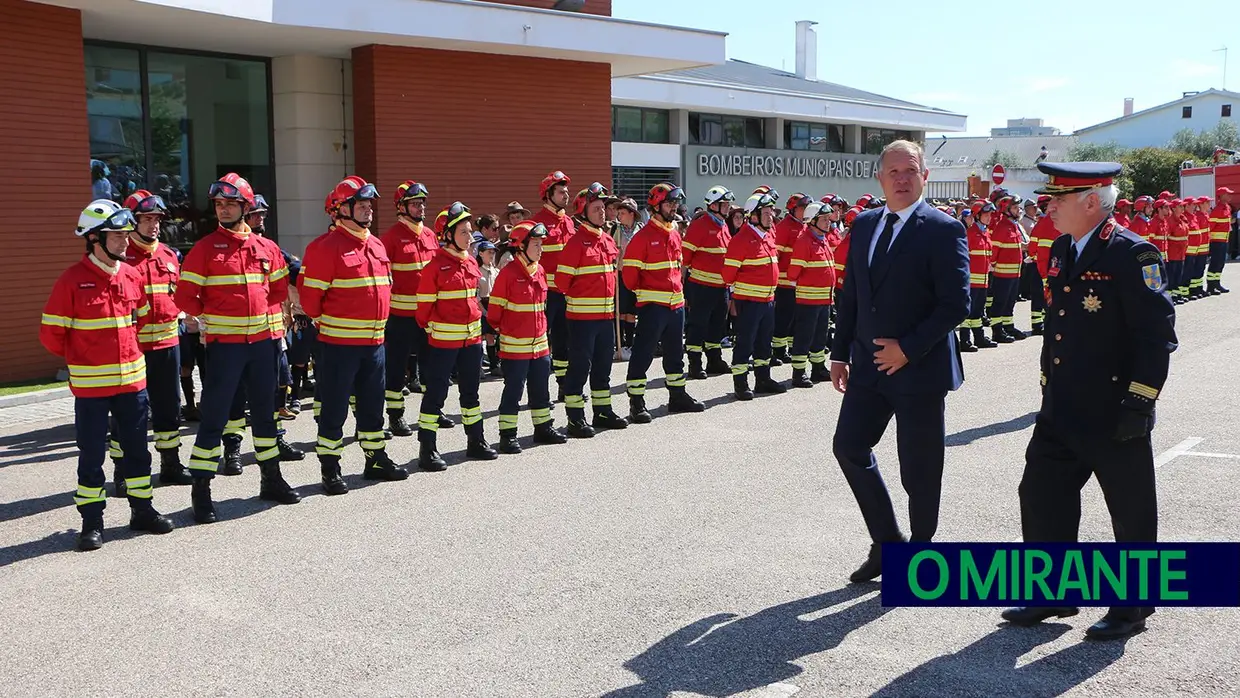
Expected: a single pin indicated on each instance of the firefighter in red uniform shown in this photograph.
(981, 259)
(230, 279)
(1005, 239)
(1220, 233)
(159, 265)
(91, 320)
(787, 231)
(586, 277)
(410, 246)
(554, 193)
(706, 320)
(651, 269)
(812, 269)
(1143, 208)
(449, 311)
(1040, 239)
(1122, 208)
(751, 268)
(517, 312)
(345, 286)
(1198, 246)
(1177, 250)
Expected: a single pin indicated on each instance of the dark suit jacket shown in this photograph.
(919, 298)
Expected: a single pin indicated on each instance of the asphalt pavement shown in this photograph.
(702, 554)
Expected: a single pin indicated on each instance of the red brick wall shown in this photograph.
(45, 143)
(479, 128)
(594, 7)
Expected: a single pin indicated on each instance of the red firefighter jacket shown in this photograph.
(231, 281)
(841, 258)
(751, 267)
(91, 320)
(1040, 238)
(586, 274)
(1220, 223)
(1177, 238)
(346, 286)
(787, 231)
(518, 311)
(448, 307)
(811, 266)
(410, 247)
(651, 267)
(705, 244)
(158, 270)
(560, 229)
(980, 255)
(1005, 239)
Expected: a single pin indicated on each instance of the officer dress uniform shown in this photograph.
(345, 285)
(230, 279)
(410, 246)
(585, 277)
(90, 319)
(812, 269)
(751, 269)
(1220, 232)
(703, 249)
(1105, 357)
(651, 269)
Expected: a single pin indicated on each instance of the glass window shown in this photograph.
(627, 124)
(876, 138)
(796, 135)
(734, 131)
(114, 114)
(209, 116)
(695, 125)
(755, 133)
(711, 130)
(654, 126)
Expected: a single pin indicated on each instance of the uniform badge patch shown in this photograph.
(1053, 271)
(1152, 274)
(1092, 303)
(221, 245)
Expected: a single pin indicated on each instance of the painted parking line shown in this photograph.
(1180, 449)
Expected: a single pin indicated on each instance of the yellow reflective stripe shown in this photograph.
(106, 369)
(523, 307)
(351, 322)
(587, 300)
(316, 283)
(669, 264)
(96, 377)
(401, 301)
(235, 279)
(752, 289)
(278, 274)
(1220, 220)
(980, 253)
(710, 250)
(594, 269)
(669, 297)
(1012, 268)
(427, 297)
(456, 294)
(978, 278)
(345, 333)
(634, 263)
(158, 331)
(1006, 245)
(554, 248)
(760, 261)
(449, 331)
(152, 289)
(705, 276)
(816, 264)
(363, 282)
(144, 310)
(1143, 390)
(88, 495)
(839, 266)
(57, 320)
(192, 278)
(729, 262)
(408, 266)
(103, 323)
(815, 293)
(522, 345)
(591, 305)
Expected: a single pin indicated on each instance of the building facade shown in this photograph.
(478, 100)
(962, 166)
(1154, 127)
(1024, 127)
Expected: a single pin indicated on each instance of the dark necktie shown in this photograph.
(884, 243)
(1071, 259)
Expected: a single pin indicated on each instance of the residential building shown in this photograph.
(960, 166)
(1154, 127)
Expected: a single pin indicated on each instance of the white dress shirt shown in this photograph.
(904, 215)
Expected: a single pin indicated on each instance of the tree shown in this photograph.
(1097, 152)
(1006, 158)
(1201, 144)
(1151, 170)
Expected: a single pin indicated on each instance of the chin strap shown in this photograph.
(100, 238)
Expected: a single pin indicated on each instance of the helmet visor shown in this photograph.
(415, 191)
(152, 204)
(121, 220)
(224, 190)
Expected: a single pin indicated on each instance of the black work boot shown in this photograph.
(118, 483)
(445, 422)
(171, 472)
(638, 414)
(200, 498)
(272, 485)
(428, 456)
(981, 341)
(820, 373)
(143, 517)
(740, 383)
(508, 442)
(379, 466)
(397, 423)
(91, 535)
(679, 401)
(800, 380)
(287, 450)
(580, 429)
(1000, 336)
(606, 418)
(232, 458)
(477, 448)
(779, 356)
(493, 368)
(333, 481)
(715, 365)
(546, 433)
(696, 371)
(1016, 334)
(966, 342)
(764, 384)
(1037, 330)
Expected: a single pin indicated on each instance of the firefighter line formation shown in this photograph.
(403, 308)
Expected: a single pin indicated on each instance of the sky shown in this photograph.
(1068, 63)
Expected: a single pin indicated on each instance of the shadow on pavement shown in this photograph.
(38, 446)
(988, 667)
(723, 655)
(968, 436)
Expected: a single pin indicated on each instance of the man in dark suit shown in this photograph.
(894, 351)
(1110, 332)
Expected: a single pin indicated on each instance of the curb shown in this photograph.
(34, 397)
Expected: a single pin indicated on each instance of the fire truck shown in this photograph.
(1223, 171)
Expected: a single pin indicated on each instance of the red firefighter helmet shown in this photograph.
(449, 218)
(664, 191)
(407, 191)
(349, 189)
(523, 231)
(143, 201)
(594, 192)
(232, 186)
(797, 200)
(550, 181)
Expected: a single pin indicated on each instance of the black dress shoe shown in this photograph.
(871, 569)
(1118, 624)
(1026, 616)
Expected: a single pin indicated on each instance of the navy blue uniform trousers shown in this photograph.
(348, 370)
(403, 337)
(230, 366)
(921, 432)
(706, 320)
(163, 389)
(755, 321)
(518, 374)
(809, 335)
(558, 334)
(90, 420)
(785, 315)
(657, 323)
(440, 361)
(591, 346)
(1005, 290)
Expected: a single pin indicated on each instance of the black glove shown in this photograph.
(1132, 424)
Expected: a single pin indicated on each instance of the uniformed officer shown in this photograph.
(1106, 288)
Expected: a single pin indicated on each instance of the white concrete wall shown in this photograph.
(1155, 128)
(313, 114)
